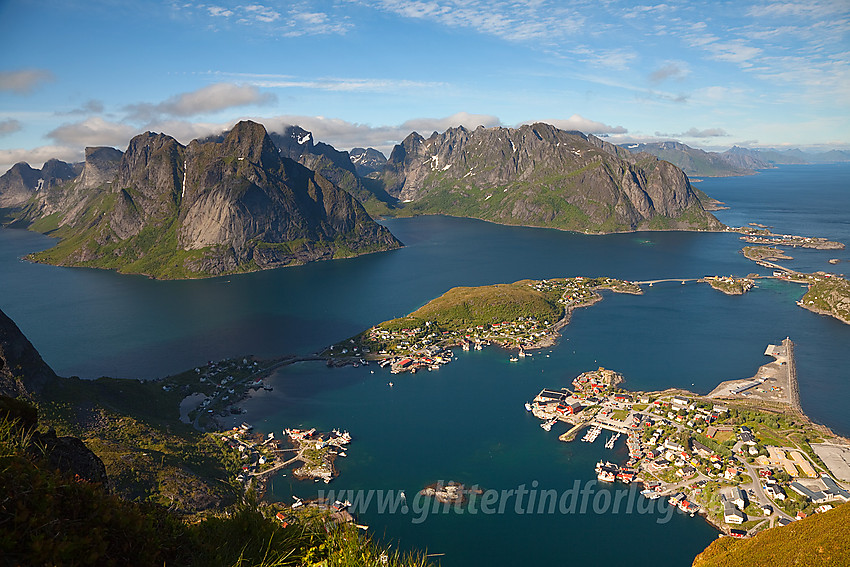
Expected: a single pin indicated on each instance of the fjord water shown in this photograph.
(466, 422)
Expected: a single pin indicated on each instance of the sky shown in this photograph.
(711, 74)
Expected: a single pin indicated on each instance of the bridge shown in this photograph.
(683, 280)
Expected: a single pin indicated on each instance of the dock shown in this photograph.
(775, 381)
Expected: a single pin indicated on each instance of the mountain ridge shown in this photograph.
(226, 205)
(538, 175)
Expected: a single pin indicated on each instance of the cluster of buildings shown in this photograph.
(730, 284)
(682, 448)
(426, 347)
(256, 452)
(219, 386)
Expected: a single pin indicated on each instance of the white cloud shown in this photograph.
(582, 124)
(513, 20)
(211, 98)
(24, 81)
(93, 132)
(617, 58)
(334, 83)
(219, 12)
(696, 133)
(808, 9)
(260, 13)
(37, 156)
(9, 126)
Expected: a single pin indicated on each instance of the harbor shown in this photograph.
(734, 464)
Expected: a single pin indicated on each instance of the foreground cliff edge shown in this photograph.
(213, 207)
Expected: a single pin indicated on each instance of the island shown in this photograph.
(744, 456)
(730, 285)
(523, 315)
(760, 234)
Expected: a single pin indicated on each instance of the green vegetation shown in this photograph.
(462, 307)
(764, 253)
(50, 517)
(830, 296)
(730, 285)
(149, 455)
(819, 540)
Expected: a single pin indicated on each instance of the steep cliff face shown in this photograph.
(225, 205)
(100, 167)
(542, 176)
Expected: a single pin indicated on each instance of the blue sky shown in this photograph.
(367, 73)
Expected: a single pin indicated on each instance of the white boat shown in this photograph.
(527, 406)
(514, 359)
(546, 425)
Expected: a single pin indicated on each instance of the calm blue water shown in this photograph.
(466, 422)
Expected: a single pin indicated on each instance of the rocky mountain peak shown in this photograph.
(250, 141)
(151, 168)
(367, 160)
(101, 165)
(540, 175)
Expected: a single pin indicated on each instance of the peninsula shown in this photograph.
(744, 456)
(523, 315)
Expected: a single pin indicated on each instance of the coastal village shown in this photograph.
(743, 456)
(264, 455)
(426, 347)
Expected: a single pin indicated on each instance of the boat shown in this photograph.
(390, 384)
(605, 476)
(514, 359)
(547, 425)
(521, 353)
(403, 496)
(527, 406)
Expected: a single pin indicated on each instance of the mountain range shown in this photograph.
(538, 175)
(248, 200)
(734, 161)
(216, 206)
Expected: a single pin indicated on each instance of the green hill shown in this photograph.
(820, 540)
(462, 307)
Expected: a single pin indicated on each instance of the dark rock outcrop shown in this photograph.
(21, 367)
(70, 456)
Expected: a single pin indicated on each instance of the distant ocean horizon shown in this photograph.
(466, 421)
